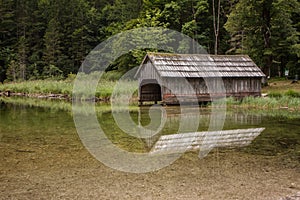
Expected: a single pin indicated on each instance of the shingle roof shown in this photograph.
(204, 65)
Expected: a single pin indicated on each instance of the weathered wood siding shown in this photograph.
(148, 72)
(175, 88)
(148, 90)
(242, 87)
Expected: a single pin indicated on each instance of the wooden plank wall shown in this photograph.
(235, 87)
(241, 87)
(231, 85)
(149, 72)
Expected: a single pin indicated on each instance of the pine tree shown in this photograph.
(52, 40)
(22, 21)
(22, 57)
(7, 35)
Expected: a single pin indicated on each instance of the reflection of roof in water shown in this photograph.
(204, 141)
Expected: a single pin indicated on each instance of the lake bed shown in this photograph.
(42, 157)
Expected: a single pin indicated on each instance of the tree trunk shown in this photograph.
(216, 23)
(266, 26)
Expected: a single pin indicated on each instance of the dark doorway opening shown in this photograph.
(150, 90)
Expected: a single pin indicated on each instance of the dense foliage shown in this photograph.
(47, 38)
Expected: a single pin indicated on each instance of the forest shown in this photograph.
(40, 39)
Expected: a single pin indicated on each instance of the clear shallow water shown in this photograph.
(42, 157)
(34, 125)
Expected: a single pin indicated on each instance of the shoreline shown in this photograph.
(50, 96)
(291, 105)
(280, 93)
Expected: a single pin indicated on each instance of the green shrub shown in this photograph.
(111, 75)
(292, 93)
(275, 94)
(37, 88)
(71, 77)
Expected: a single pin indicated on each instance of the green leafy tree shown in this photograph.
(264, 30)
(197, 26)
(116, 15)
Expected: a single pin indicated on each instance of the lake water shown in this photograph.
(42, 155)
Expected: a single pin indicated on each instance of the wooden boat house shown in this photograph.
(163, 77)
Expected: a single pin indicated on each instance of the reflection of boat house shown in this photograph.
(163, 77)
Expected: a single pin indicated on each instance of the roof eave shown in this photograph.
(141, 65)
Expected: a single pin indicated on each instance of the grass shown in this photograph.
(56, 105)
(104, 89)
(284, 102)
(39, 87)
(281, 86)
(281, 94)
(292, 93)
